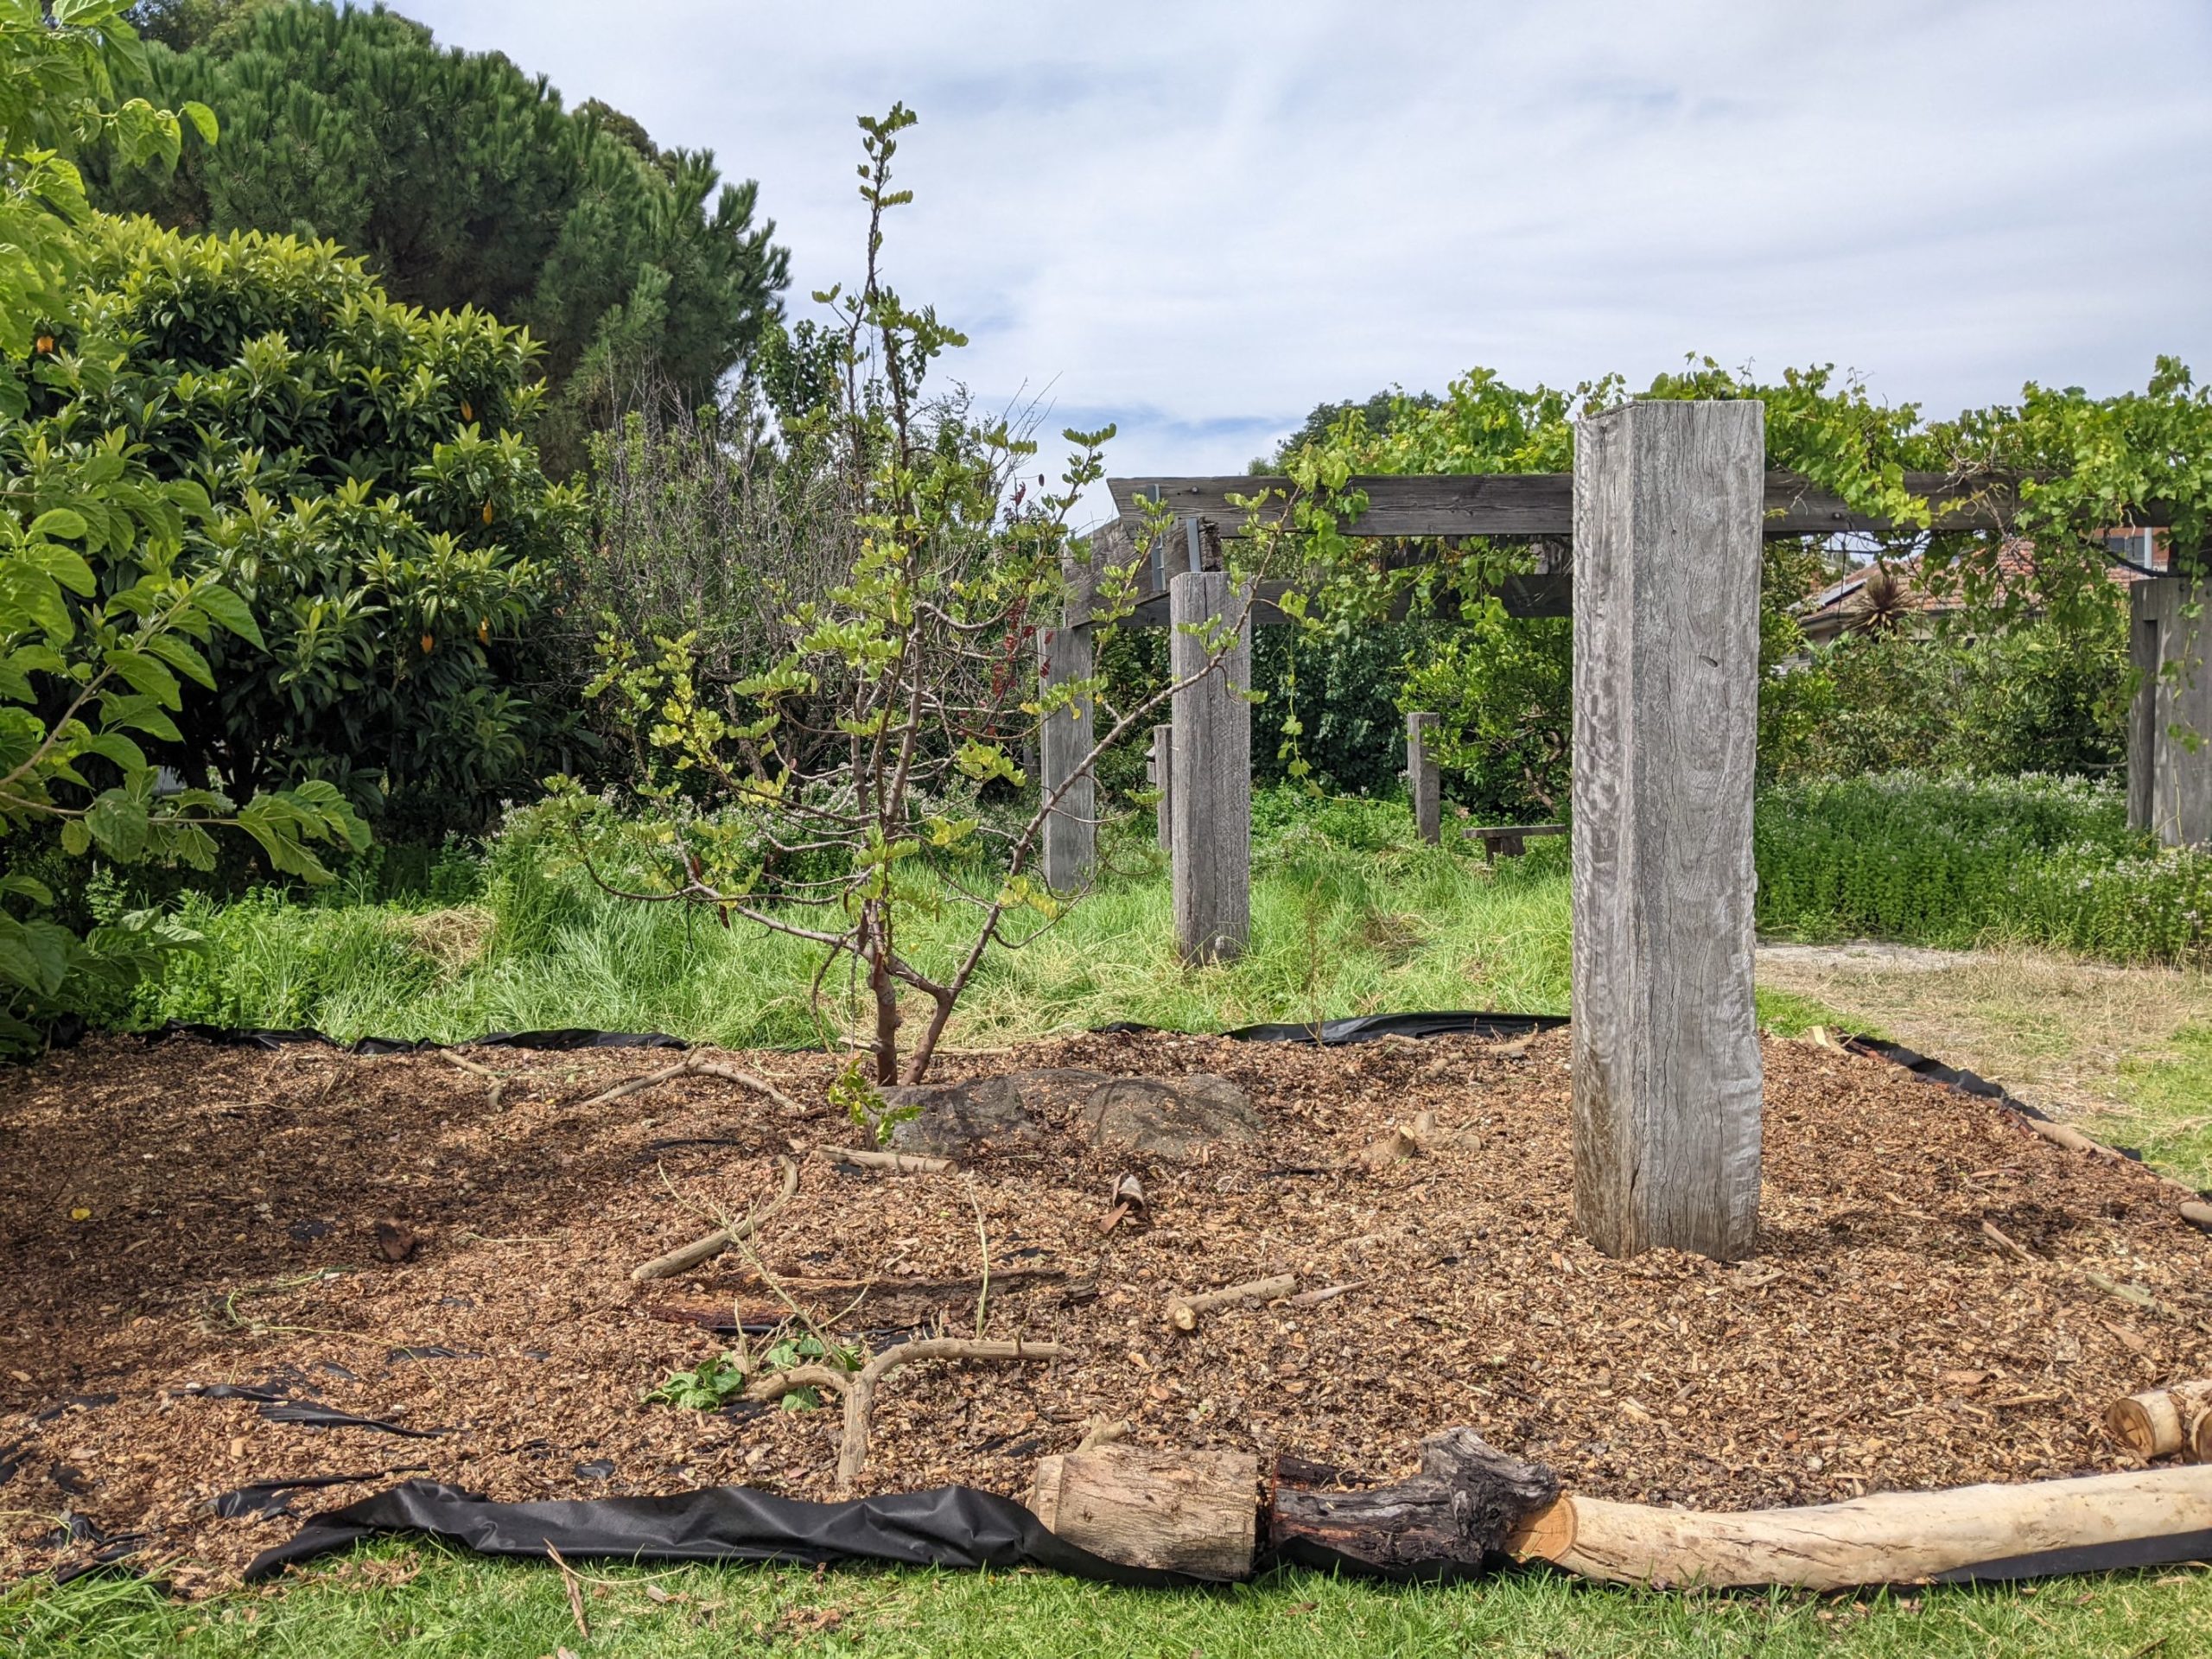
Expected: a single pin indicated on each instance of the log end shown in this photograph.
(1547, 1534)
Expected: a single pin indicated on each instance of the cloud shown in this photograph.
(1200, 220)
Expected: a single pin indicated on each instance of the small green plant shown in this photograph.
(713, 1384)
(874, 1116)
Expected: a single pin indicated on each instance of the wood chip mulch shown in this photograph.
(179, 1214)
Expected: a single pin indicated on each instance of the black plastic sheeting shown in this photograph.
(954, 1526)
(568, 1037)
(1371, 1027)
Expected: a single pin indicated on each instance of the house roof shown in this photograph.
(1831, 605)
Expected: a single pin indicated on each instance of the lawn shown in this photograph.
(423, 1601)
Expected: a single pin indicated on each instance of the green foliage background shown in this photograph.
(463, 182)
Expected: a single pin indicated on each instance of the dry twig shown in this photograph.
(715, 1243)
(576, 1593)
(858, 1388)
(1183, 1312)
(691, 1066)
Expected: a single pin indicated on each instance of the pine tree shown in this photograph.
(464, 181)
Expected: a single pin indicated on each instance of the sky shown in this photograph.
(1198, 220)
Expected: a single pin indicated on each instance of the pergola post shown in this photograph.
(1423, 787)
(1668, 500)
(1162, 771)
(1063, 738)
(1210, 783)
(2168, 784)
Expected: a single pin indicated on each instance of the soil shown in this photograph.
(179, 1215)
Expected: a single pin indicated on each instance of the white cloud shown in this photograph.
(1201, 220)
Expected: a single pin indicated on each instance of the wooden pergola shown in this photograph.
(1654, 549)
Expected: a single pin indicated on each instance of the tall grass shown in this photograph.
(1350, 916)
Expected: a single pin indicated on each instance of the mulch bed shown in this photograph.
(181, 1214)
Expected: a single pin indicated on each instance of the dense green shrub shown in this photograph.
(371, 496)
(1958, 861)
(2032, 700)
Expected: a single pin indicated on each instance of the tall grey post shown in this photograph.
(2170, 784)
(1210, 785)
(1064, 739)
(1423, 787)
(1668, 515)
(1163, 780)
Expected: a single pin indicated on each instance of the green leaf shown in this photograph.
(146, 676)
(116, 822)
(60, 521)
(222, 606)
(180, 655)
(202, 118)
(26, 888)
(76, 840)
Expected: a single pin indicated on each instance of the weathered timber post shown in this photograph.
(1668, 505)
(1423, 788)
(2168, 787)
(1210, 784)
(1163, 780)
(1063, 738)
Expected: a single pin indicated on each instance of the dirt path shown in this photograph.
(2126, 1051)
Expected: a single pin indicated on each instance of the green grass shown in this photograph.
(1349, 922)
(452, 1605)
(2171, 1094)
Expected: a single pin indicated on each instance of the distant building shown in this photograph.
(1845, 605)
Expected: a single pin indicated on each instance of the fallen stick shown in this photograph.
(898, 1163)
(2159, 1422)
(691, 1067)
(1183, 1312)
(663, 1267)
(1327, 1292)
(1098, 1432)
(886, 1285)
(1890, 1538)
(1390, 1149)
(858, 1388)
(452, 1059)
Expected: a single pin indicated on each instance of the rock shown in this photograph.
(957, 1119)
(1177, 1122)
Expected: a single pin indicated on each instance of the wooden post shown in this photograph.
(2168, 787)
(1163, 780)
(1063, 739)
(1668, 499)
(1423, 788)
(1210, 787)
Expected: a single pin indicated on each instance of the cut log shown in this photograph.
(2159, 1422)
(1467, 1502)
(1183, 1313)
(1891, 1538)
(1190, 1512)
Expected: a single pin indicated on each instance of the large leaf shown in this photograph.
(116, 822)
(146, 676)
(222, 606)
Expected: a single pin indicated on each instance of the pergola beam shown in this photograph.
(1537, 504)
